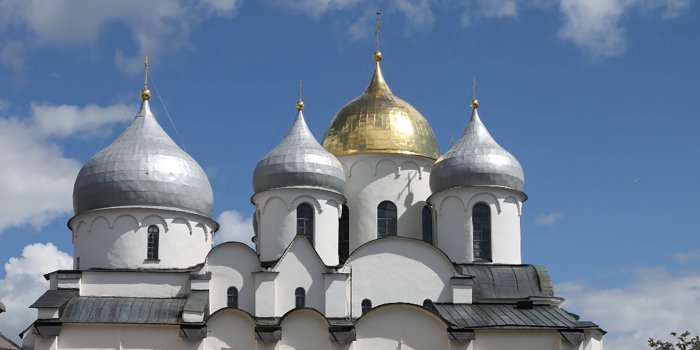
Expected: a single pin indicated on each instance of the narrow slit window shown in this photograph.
(232, 297)
(300, 297)
(366, 305)
(305, 221)
(152, 245)
(344, 235)
(427, 224)
(481, 223)
(386, 219)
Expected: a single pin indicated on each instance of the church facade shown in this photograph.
(371, 239)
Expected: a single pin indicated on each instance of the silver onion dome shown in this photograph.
(299, 161)
(476, 160)
(144, 167)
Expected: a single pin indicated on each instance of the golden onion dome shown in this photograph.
(380, 122)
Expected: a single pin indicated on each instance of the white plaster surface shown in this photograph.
(134, 284)
(399, 270)
(374, 178)
(453, 222)
(117, 238)
(277, 223)
(402, 327)
(232, 265)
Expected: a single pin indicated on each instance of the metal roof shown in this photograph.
(509, 281)
(299, 160)
(507, 316)
(55, 298)
(143, 167)
(476, 159)
(123, 310)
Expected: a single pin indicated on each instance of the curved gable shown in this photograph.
(399, 269)
(232, 265)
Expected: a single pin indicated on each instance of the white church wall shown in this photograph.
(299, 267)
(277, 223)
(265, 293)
(337, 299)
(127, 337)
(529, 339)
(230, 329)
(453, 222)
(399, 269)
(374, 178)
(117, 238)
(232, 265)
(304, 329)
(140, 284)
(594, 340)
(401, 326)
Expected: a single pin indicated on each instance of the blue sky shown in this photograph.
(596, 98)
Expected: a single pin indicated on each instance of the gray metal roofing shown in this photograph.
(509, 281)
(299, 160)
(508, 316)
(143, 167)
(123, 310)
(55, 298)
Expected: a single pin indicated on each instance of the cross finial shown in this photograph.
(300, 103)
(145, 93)
(475, 102)
(377, 30)
(474, 88)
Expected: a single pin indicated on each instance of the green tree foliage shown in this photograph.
(683, 342)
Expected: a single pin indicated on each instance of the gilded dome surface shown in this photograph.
(380, 122)
(143, 167)
(476, 160)
(299, 161)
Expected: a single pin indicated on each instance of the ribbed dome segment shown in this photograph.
(476, 160)
(143, 167)
(299, 161)
(380, 122)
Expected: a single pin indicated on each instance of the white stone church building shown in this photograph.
(369, 240)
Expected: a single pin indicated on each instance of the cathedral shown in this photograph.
(369, 240)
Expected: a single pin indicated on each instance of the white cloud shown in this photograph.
(489, 9)
(24, 283)
(596, 25)
(418, 14)
(65, 120)
(314, 8)
(683, 257)
(234, 227)
(549, 219)
(38, 186)
(157, 26)
(653, 305)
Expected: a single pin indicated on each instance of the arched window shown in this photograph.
(386, 219)
(427, 224)
(344, 235)
(481, 222)
(300, 297)
(232, 297)
(305, 221)
(366, 305)
(152, 244)
(427, 303)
